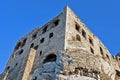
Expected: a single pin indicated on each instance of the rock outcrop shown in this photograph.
(75, 65)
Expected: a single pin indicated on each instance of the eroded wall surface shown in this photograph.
(62, 49)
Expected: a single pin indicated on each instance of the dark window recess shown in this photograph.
(118, 73)
(78, 37)
(36, 47)
(83, 33)
(116, 58)
(91, 41)
(21, 51)
(77, 27)
(40, 52)
(50, 35)
(34, 36)
(91, 49)
(50, 58)
(32, 45)
(35, 78)
(56, 22)
(23, 42)
(101, 50)
(44, 29)
(8, 68)
(42, 40)
(16, 64)
(107, 56)
(18, 45)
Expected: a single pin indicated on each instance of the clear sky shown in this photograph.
(19, 17)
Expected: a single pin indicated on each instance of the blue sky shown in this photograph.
(19, 17)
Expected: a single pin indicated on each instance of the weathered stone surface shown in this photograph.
(72, 68)
(63, 49)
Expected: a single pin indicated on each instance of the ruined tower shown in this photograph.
(62, 49)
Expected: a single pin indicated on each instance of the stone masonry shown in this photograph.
(62, 49)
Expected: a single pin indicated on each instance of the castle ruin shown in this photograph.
(63, 49)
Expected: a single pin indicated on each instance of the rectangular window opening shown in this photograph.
(91, 49)
(77, 27)
(83, 33)
(44, 29)
(91, 41)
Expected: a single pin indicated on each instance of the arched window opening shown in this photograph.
(36, 47)
(50, 58)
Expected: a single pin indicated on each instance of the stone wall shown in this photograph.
(78, 36)
(63, 49)
(75, 27)
(49, 38)
(74, 65)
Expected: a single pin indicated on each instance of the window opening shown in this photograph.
(91, 41)
(78, 37)
(83, 33)
(40, 52)
(21, 51)
(101, 50)
(23, 43)
(36, 47)
(16, 64)
(91, 49)
(35, 78)
(56, 22)
(34, 36)
(118, 73)
(50, 35)
(50, 58)
(107, 56)
(31, 46)
(44, 29)
(42, 40)
(8, 68)
(77, 27)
